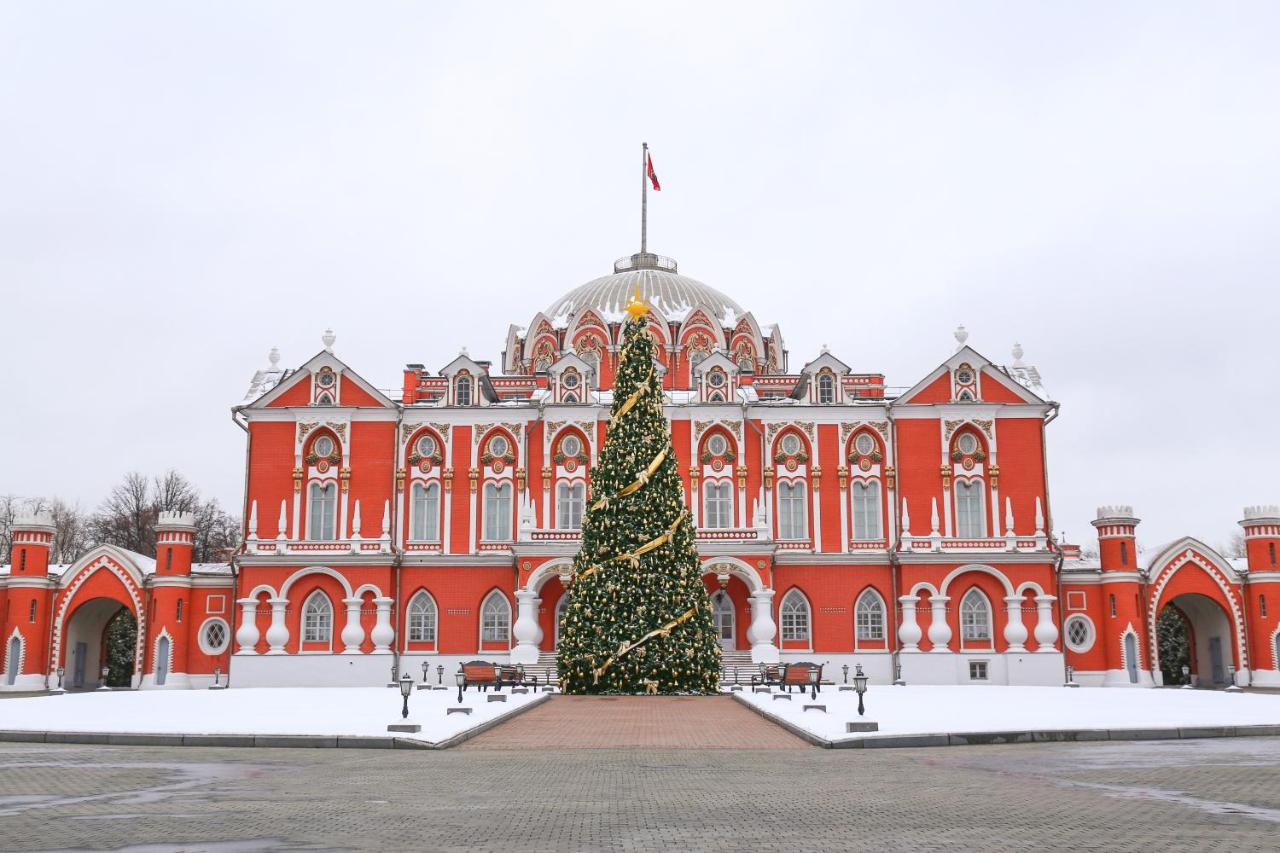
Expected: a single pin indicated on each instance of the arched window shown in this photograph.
(792, 507)
(317, 619)
(31, 612)
(866, 510)
(462, 390)
(793, 615)
(322, 512)
(826, 388)
(975, 618)
(495, 619)
(497, 512)
(971, 522)
(422, 619)
(425, 512)
(570, 498)
(1262, 606)
(717, 509)
(869, 616)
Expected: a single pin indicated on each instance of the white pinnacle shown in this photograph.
(327, 339)
(274, 357)
(961, 335)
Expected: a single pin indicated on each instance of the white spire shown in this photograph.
(906, 518)
(355, 521)
(327, 339)
(1039, 517)
(253, 520)
(933, 519)
(961, 335)
(386, 519)
(283, 524)
(1008, 516)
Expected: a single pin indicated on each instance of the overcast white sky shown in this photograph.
(183, 186)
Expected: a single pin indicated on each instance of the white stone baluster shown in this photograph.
(353, 631)
(1046, 631)
(277, 633)
(526, 629)
(939, 630)
(909, 633)
(763, 629)
(383, 634)
(1015, 633)
(247, 633)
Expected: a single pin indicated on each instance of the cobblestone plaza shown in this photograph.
(1207, 794)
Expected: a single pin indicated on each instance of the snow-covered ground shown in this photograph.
(345, 711)
(943, 709)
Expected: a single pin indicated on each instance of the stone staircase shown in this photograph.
(739, 661)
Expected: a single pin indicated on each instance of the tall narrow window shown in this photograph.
(179, 609)
(792, 511)
(462, 391)
(317, 619)
(426, 512)
(570, 498)
(1262, 606)
(497, 512)
(971, 522)
(793, 615)
(322, 512)
(717, 510)
(975, 618)
(1113, 606)
(22, 558)
(866, 510)
(168, 559)
(31, 612)
(1124, 553)
(1271, 547)
(869, 615)
(495, 619)
(422, 619)
(826, 388)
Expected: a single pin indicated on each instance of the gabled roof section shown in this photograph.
(137, 565)
(716, 359)
(1166, 554)
(827, 360)
(570, 360)
(989, 372)
(461, 363)
(320, 360)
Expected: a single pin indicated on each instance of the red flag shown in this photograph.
(653, 176)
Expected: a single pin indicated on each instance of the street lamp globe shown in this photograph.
(406, 687)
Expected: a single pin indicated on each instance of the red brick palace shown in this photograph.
(837, 522)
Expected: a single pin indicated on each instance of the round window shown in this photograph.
(498, 446)
(214, 636)
(570, 379)
(326, 378)
(716, 445)
(323, 446)
(571, 446)
(1079, 633)
(864, 444)
(967, 444)
(964, 376)
(791, 444)
(715, 379)
(427, 445)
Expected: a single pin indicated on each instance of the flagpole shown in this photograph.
(644, 198)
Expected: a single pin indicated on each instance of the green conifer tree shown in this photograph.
(638, 614)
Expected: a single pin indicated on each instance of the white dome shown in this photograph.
(672, 294)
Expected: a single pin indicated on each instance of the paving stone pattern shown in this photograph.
(1219, 794)
(652, 722)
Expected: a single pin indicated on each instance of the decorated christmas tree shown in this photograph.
(638, 619)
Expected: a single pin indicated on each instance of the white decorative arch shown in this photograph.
(548, 570)
(115, 560)
(1029, 585)
(421, 592)
(1275, 648)
(1200, 555)
(22, 653)
(1124, 655)
(924, 586)
(369, 587)
(261, 588)
(155, 654)
(312, 570)
(977, 567)
(740, 568)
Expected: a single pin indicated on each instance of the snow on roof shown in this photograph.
(266, 379)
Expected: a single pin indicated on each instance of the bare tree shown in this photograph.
(71, 533)
(216, 533)
(1234, 546)
(127, 518)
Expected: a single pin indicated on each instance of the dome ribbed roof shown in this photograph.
(672, 294)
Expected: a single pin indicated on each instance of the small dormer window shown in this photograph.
(462, 391)
(826, 388)
(716, 379)
(964, 376)
(326, 378)
(570, 379)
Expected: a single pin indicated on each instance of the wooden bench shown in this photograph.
(480, 674)
(511, 675)
(797, 675)
(770, 675)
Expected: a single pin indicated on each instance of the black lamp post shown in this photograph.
(426, 668)
(461, 678)
(846, 673)
(440, 674)
(860, 685)
(813, 683)
(61, 670)
(106, 670)
(406, 687)
(217, 676)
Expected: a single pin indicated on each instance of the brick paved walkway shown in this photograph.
(650, 722)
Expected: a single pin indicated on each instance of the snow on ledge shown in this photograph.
(914, 710)
(329, 711)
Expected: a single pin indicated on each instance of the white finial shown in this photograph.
(283, 523)
(933, 519)
(463, 352)
(328, 338)
(355, 521)
(274, 357)
(253, 520)
(825, 349)
(1039, 517)
(386, 518)
(906, 518)
(962, 335)
(1017, 355)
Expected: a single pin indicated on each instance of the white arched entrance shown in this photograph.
(725, 619)
(763, 631)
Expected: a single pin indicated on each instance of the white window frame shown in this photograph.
(869, 604)
(460, 383)
(826, 388)
(322, 511)
(972, 631)
(571, 500)
(866, 510)
(491, 605)
(717, 505)
(793, 499)
(424, 511)
(971, 509)
(793, 603)
(497, 517)
(202, 638)
(307, 626)
(1091, 633)
(419, 597)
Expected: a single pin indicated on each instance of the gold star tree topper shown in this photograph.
(637, 308)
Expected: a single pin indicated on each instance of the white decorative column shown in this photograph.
(526, 629)
(247, 633)
(1015, 633)
(909, 631)
(762, 630)
(282, 536)
(353, 631)
(383, 634)
(277, 634)
(251, 539)
(1046, 631)
(939, 630)
(1011, 539)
